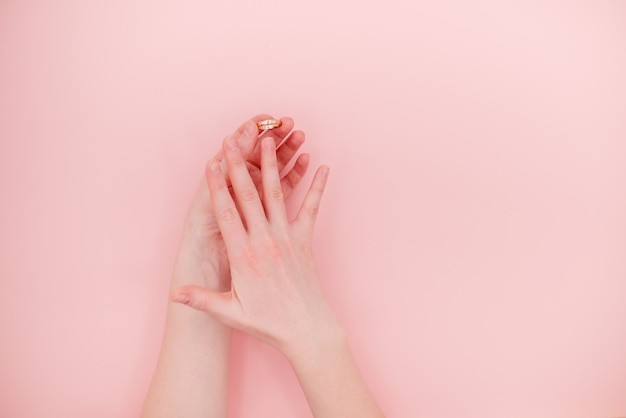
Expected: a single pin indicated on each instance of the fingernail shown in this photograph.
(231, 143)
(214, 166)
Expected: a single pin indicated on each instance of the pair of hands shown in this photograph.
(267, 280)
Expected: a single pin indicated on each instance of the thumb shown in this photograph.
(202, 299)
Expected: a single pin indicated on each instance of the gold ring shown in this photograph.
(266, 125)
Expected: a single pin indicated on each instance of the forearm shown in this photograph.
(191, 375)
(330, 378)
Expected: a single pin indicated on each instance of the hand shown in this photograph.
(202, 257)
(275, 294)
(190, 377)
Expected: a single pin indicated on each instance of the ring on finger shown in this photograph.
(267, 124)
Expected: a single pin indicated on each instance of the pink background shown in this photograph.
(472, 238)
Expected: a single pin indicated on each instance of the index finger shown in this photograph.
(224, 208)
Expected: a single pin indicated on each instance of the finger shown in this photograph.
(255, 174)
(289, 148)
(295, 175)
(290, 180)
(310, 206)
(246, 193)
(277, 134)
(247, 144)
(218, 304)
(284, 154)
(226, 213)
(273, 198)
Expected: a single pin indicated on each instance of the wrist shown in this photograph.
(201, 267)
(313, 348)
(330, 378)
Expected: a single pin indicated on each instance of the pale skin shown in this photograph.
(243, 264)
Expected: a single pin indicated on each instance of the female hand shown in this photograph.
(202, 257)
(191, 374)
(275, 294)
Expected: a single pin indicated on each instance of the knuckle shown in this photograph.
(273, 250)
(276, 249)
(220, 187)
(288, 181)
(275, 194)
(228, 214)
(252, 259)
(313, 211)
(249, 194)
(293, 144)
(200, 303)
(307, 247)
(296, 176)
